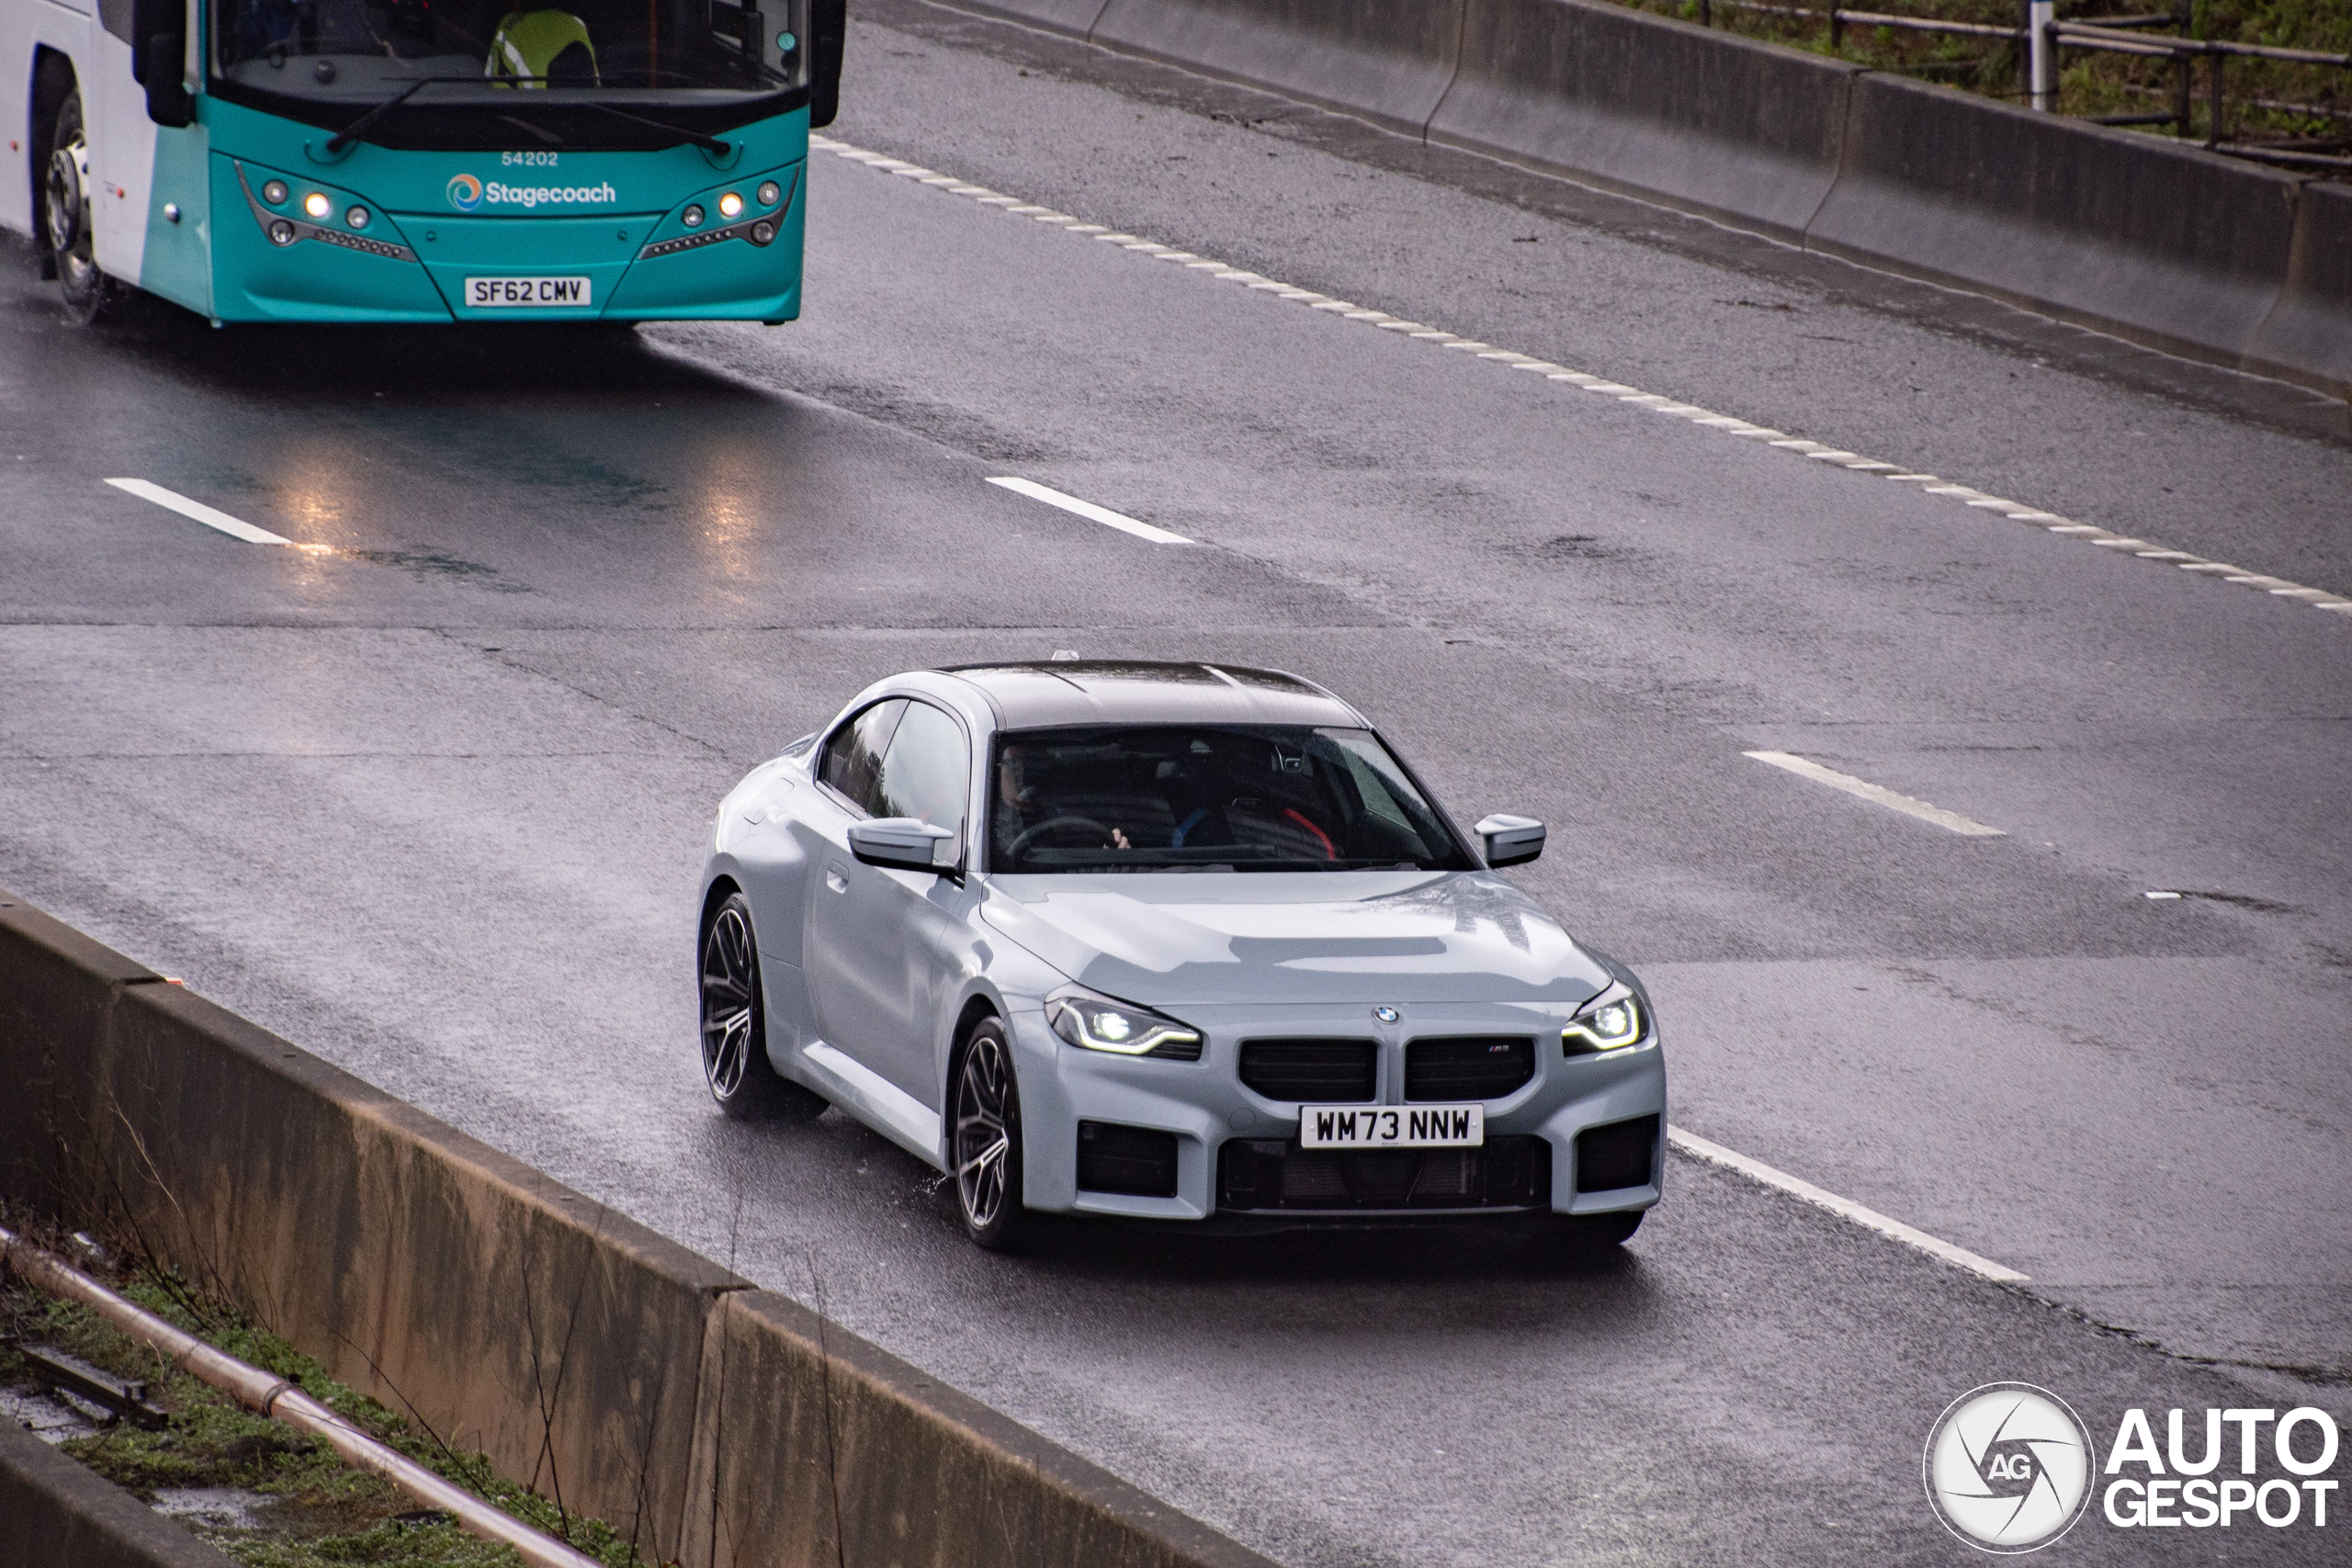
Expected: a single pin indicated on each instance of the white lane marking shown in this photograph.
(2319, 599)
(1091, 513)
(235, 527)
(1950, 821)
(1845, 1208)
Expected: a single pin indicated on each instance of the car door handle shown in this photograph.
(835, 880)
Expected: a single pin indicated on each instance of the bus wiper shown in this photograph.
(541, 132)
(365, 122)
(707, 144)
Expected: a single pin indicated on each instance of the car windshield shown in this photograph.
(1192, 798)
(361, 51)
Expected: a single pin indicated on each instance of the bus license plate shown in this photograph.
(1391, 1126)
(526, 293)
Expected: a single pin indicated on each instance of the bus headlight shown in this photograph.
(274, 192)
(356, 218)
(317, 204)
(770, 194)
(281, 232)
(762, 232)
(730, 205)
(691, 217)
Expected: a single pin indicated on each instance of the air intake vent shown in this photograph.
(1469, 1067)
(1136, 1161)
(1317, 1072)
(1621, 1154)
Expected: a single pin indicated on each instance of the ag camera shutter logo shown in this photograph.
(465, 192)
(2009, 1468)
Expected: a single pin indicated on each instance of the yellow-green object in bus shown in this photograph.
(545, 45)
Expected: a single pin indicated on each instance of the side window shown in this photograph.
(852, 761)
(927, 772)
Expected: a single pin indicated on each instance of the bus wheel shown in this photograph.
(65, 217)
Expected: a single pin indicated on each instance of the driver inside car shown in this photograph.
(1023, 805)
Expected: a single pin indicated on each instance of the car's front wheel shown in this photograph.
(734, 1025)
(985, 1101)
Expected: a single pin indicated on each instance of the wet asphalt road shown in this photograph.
(431, 799)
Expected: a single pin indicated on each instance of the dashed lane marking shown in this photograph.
(1952, 821)
(235, 527)
(2318, 598)
(1091, 513)
(1845, 1208)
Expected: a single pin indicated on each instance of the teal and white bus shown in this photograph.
(410, 161)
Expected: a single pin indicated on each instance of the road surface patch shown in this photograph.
(2318, 598)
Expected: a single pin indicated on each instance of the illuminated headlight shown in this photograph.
(770, 194)
(274, 192)
(1611, 1021)
(317, 204)
(1100, 1024)
(730, 205)
(691, 217)
(357, 218)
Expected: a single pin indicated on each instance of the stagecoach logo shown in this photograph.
(465, 192)
(2009, 1467)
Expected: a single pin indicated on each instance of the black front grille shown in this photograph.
(1270, 1174)
(1136, 1161)
(1318, 1072)
(1468, 1066)
(1621, 1154)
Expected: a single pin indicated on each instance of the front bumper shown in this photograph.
(1082, 1110)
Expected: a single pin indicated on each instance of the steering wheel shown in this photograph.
(1021, 840)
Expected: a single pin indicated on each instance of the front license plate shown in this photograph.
(1391, 1126)
(526, 293)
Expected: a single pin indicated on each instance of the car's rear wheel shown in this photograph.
(984, 1102)
(734, 1025)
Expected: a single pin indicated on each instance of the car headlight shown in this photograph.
(1102, 1023)
(1611, 1021)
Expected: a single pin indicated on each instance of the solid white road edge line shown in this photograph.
(1844, 1208)
(2119, 544)
(1088, 509)
(235, 527)
(1878, 794)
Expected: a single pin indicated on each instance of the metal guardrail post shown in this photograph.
(2043, 62)
(2213, 107)
(2183, 69)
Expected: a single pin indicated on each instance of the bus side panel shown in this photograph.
(58, 27)
(177, 263)
(122, 147)
(15, 113)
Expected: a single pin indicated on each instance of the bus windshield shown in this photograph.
(330, 60)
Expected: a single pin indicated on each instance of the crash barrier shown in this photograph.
(57, 1513)
(579, 1351)
(2168, 245)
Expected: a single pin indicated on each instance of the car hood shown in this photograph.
(1318, 937)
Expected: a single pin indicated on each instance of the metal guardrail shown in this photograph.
(2042, 36)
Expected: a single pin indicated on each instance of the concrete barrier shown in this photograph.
(572, 1345)
(1710, 123)
(2165, 244)
(54, 1513)
(2176, 246)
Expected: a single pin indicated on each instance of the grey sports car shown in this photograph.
(1168, 941)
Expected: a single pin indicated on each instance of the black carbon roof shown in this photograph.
(1045, 693)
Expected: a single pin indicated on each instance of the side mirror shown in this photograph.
(901, 843)
(159, 59)
(1510, 840)
(828, 33)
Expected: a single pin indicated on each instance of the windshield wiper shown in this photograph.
(358, 128)
(707, 144)
(541, 132)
